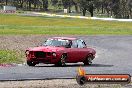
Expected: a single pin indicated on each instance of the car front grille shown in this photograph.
(40, 54)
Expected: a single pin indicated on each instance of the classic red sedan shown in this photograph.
(59, 51)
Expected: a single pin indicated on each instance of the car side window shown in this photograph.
(84, 44)
(81, 44)
(74, 44)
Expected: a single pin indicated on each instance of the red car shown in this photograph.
(59, 51)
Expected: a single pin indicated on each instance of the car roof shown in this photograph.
(65, 38)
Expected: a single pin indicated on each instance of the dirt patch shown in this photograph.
(20, 42)
(57, 83)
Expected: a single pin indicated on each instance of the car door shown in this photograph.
(73, 52)
(82, 50)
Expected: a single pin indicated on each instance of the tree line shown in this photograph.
(116, 8)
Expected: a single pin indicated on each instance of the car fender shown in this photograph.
(60, 53)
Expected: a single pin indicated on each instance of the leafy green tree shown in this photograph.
(86, 5)
(45, 5)
(67, 4)
(129, 4)
(54, 2)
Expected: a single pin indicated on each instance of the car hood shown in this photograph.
(46, 48)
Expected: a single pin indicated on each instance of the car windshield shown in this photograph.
(56, 42)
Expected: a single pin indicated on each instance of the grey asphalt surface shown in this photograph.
(114, 55)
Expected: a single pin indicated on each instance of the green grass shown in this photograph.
(8, 56)
(13, 24)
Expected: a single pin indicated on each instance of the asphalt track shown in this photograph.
(114, 55)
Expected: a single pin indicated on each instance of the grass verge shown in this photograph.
(13, 24)
(8, 56)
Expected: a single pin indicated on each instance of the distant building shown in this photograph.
(12, 8)
(8, 9)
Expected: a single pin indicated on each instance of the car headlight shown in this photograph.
(54, 54)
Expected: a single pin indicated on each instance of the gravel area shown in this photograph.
(56, 83)
(20, 42)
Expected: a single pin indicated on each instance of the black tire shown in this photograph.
(31, 63)
(62, 61)
(88, 60)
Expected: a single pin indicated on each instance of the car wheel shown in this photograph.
(30, 63)
(88, 60)
(62, 61)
